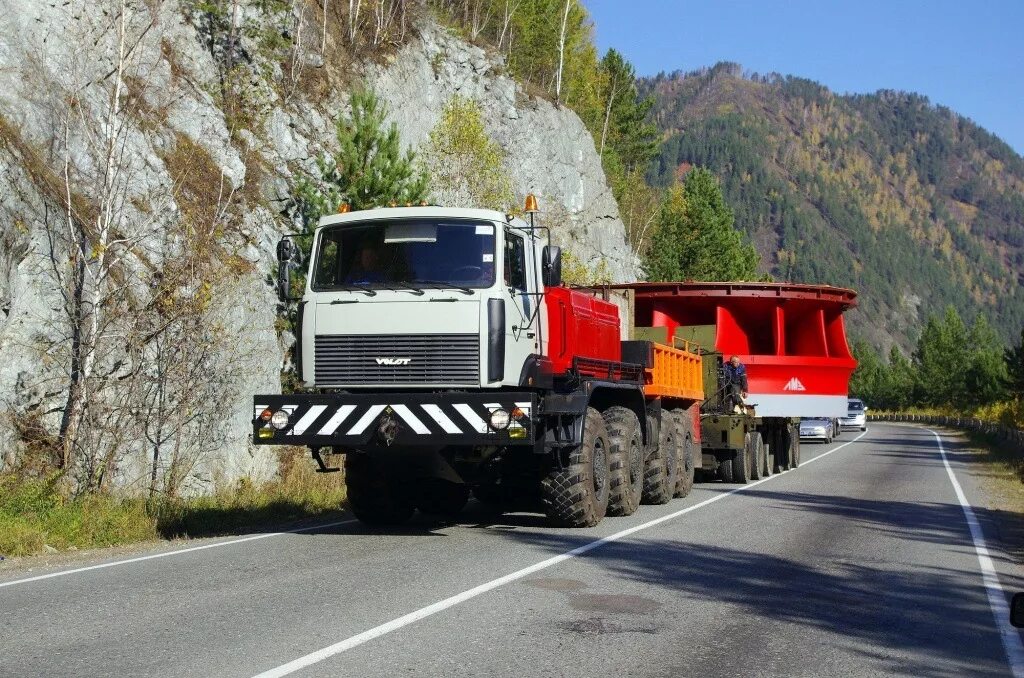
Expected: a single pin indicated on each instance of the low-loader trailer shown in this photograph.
(441, 355)
(791, 339)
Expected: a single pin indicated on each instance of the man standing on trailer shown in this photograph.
(736, 382)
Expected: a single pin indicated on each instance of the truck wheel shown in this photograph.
(374, 497)
(442, 498)
(626, 454)
(742, 460)
(576, 495)
(661, 469)
(687, 454)
(769, 453)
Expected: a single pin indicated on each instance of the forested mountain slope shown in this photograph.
(909, 203)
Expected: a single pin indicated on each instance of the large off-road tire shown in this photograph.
(743, 460)
(576, 495)
(374, 495)
(687, 453)
(626, 454)
(662, 466)
(441, 498)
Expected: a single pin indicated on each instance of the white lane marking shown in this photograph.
(366, 419)
(472, 417)
(168, 554)
(996, 595)
(411, 419)
(336, 420)
(438, 415)
(441, 605)
(307, 419)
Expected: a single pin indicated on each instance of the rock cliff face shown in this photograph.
(49, 70)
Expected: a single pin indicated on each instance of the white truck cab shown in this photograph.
(363, 317)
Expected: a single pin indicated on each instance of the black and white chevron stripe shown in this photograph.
(341, 419)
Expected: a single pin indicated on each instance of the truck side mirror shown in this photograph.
(287, 252)
(551, 266)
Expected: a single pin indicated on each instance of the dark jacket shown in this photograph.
(737, 375)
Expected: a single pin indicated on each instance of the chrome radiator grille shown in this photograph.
(397, 359)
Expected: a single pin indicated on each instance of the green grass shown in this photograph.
(34, 513)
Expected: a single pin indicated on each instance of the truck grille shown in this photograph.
(398, 359)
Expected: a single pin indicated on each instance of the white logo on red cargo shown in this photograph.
(394, 361)
(794, 385)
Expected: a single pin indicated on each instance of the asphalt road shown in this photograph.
(858, 563)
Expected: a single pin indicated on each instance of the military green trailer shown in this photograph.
(738, 445)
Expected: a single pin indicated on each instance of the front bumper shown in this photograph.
(814, 435)
(853, 422)
(382, 420)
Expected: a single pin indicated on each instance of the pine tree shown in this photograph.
(624, 129)
(368, 169)
(986, 376)
(1014, 358)
(940, 361)
(695, 238)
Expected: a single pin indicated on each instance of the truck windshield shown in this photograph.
(416, 253)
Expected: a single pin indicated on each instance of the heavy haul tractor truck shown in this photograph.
(791, 338)
(441, 356)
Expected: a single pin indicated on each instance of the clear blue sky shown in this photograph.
(968, 56)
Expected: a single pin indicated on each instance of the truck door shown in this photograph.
(520, 334)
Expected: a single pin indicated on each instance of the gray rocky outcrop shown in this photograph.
(549, 152)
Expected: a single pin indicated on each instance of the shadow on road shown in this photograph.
(932, 622)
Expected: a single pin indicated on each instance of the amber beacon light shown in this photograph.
(531, 204)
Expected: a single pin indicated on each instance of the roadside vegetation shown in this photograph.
(955, 370)
(37, 516)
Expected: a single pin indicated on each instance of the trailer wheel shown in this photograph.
(626, 454)
(662, 467)
(373, 495)
(770, 446)
(687, 454)
(757, 453)
(441, 498)
(725, 470)
(743, 459)
(785, 438)
(794, 456)
(576, 494)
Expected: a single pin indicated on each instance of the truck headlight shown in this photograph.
(499, 419)
(279, 419)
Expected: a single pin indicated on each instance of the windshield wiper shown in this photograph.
(356, 287)
(408, 287)
(445, 285)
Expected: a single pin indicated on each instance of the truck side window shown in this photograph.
(515, 262)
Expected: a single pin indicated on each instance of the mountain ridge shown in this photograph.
(912, 204)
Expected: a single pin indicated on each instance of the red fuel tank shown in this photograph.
(580, 325)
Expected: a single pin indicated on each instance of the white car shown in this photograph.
(856, 415)
(817, 428)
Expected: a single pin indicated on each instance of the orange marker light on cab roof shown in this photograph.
(344, 208)
(531, 203)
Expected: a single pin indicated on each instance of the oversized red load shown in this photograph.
(790, 336)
